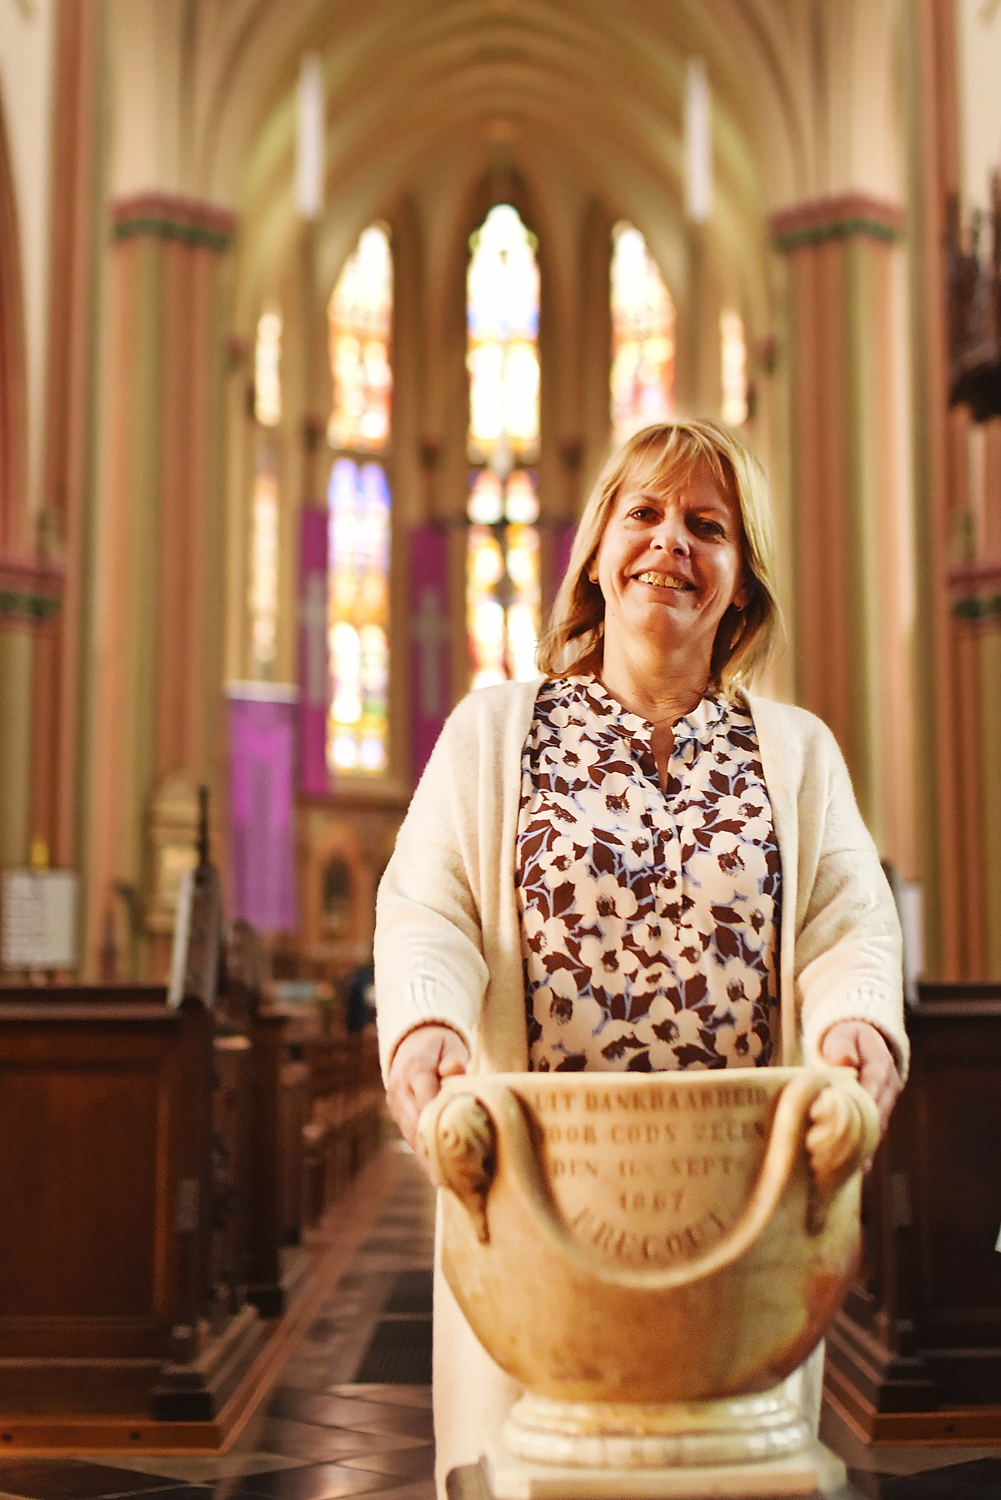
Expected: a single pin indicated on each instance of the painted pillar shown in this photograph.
(957, 490)
(30, 629)
(65, 525)
(853, 588)
(158, 617)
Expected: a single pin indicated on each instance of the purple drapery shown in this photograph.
(430, 650)
(261, 762)
(314, 671)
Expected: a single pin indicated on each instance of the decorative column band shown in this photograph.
(846, 216)
(975, 590)
(167, 216)
(29, 592)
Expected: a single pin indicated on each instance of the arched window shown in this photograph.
(733, 367)
(267, 369)
(502, 558)
(360, 316)
(264, 517)
(358, 498)
(642, 336)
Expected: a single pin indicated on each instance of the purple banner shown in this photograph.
(261, 761)
(314, 671)
(430, 648)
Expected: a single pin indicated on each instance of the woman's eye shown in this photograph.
(709, 527)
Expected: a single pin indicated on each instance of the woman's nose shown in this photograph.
(670, 535)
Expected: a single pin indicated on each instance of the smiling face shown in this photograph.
(670, 564)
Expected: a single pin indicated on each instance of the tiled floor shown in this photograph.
(326, 1436)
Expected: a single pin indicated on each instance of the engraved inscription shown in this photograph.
(655, 1249)
(649, 1173)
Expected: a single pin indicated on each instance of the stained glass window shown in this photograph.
(733, 367)
(642, 336)
(502, 550)
(502, 291)
(267, 370)
(263, 593)
(360, 319)
(358, 500)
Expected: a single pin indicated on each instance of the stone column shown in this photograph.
(158, 617)
(853, 558)
(62, 683)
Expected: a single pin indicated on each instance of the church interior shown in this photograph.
(318, 320)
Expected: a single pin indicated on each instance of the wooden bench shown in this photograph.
(345, 1114)
(916, 1353)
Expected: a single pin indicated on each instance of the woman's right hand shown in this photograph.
(420, 1063)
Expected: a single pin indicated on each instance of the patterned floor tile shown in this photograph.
(209, 1468)
(414, 1463)
(409, 1420)
(320, 1444)
(336, 1411)
(424, 1489)
(388, 1395)
(979, 1480)
(70, 1479)
(312, 1482)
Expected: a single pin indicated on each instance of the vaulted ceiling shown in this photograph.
(583, 94)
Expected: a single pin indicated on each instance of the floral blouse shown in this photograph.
(649, 918)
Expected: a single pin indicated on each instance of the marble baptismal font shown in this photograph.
(650, 1257)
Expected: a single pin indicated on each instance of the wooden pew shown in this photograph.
(154, 1169)
(916, 1353)
(345, 1114)
(129, 1235)
(104, 1173)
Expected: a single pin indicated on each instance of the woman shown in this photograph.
(632, 864)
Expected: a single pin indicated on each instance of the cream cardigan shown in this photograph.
(448, 939)
(448, 949)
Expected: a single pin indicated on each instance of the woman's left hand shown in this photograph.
(856, 1044)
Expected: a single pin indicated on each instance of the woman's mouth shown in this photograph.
(665, 581)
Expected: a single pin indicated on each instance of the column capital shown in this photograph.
(840, 217)
(169, 216)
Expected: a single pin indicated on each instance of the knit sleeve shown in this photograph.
(429, 964)
(848, 946)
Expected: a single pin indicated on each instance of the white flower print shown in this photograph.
(649, 918)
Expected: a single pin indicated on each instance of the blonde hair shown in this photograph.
(667, 455)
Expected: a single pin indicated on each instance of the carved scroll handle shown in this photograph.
(842, 1134)
(464, 1148)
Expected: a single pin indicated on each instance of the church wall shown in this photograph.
(976, 538)
(957, 492)
(572, 208)
(422, 131)
(27, 33)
